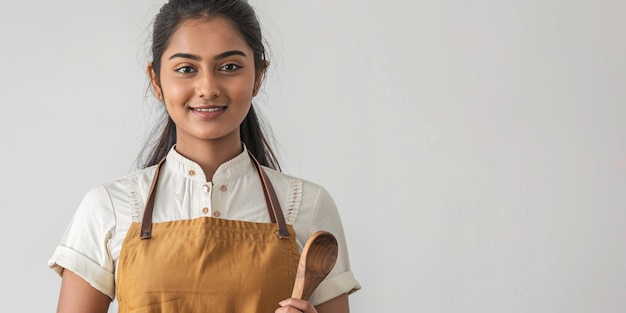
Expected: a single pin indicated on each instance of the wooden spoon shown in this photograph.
(316, 261)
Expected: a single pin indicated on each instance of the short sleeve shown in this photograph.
(84, 246)
(341, 279)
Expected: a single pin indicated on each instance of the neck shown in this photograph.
(209, 154)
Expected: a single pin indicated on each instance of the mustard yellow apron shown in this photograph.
(207, 264)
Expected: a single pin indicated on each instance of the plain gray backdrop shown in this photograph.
(476, 149)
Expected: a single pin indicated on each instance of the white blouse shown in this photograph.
(92, 241)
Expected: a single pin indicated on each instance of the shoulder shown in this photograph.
(128, 181)
(280, 178)
(137, 175)
(303, 199)
(308, 192)
(121, 193)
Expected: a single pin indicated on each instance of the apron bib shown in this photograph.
(207, 264)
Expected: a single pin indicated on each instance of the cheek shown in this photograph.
(243, 91)
(243, 94)
(175, 92)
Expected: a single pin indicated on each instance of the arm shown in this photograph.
(78, 296)
(83, 259)
(336, 305)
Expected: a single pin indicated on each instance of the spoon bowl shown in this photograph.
(316, 261)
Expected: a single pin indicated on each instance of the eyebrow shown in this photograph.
(217, 57)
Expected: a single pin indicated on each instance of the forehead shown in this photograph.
(206, 36)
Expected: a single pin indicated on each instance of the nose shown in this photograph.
(208, 86)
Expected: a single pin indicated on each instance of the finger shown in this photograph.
(287, 309)
(302, 305)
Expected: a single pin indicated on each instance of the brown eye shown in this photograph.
(185, 69)
(230, 67)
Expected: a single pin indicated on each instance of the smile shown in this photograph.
(213, 109)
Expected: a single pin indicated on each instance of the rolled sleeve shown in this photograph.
(84, 248)
(335, 286)
(92, 272)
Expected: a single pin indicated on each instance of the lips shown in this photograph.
(209, 109)
(208, 112)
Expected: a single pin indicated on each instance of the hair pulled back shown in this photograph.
(242, 16)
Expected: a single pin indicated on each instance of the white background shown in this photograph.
(476, 149)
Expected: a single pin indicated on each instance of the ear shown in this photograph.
(154, 82)
(259, 78)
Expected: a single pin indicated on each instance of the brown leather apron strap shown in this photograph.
(271, 201)
(146, 223)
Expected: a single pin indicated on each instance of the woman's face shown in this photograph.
(207, 80)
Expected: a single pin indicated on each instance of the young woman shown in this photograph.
(210, 224)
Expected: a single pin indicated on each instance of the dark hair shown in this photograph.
(171, 15)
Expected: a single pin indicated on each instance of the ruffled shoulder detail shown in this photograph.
(135, 202)
(295, 199)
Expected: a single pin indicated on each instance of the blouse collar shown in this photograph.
(228, 171)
